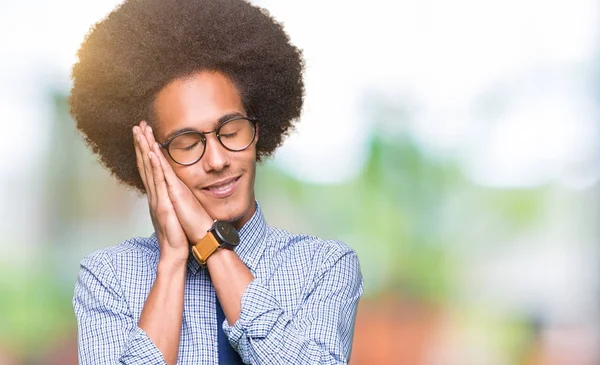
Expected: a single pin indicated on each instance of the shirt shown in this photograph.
(227, 354)
(299, 309)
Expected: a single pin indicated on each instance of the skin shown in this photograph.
(198, 102)
(182, 210)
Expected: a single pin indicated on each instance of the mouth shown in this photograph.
(223, 188)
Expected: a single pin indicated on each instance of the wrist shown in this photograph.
(173, 262)
(221, 256)
(200, 232)
(220, 235)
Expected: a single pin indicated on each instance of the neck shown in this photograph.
(246, 217)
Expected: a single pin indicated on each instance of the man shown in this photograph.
(180, 99)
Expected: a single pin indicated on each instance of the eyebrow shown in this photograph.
(220, 121)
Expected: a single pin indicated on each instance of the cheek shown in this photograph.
(249, 157)
(187, 177)
(184, 173)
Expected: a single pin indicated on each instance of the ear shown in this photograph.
(257, 134)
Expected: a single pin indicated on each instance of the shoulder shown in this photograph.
(287, 239)
(131, 253)
(318, 251)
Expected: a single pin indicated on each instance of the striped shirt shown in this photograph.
(299, 309)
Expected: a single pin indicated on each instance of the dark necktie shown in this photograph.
(227, 355)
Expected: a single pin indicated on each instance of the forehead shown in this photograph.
(196, 101)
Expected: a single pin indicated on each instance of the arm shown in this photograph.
(107, 332)
(319, 333)
(162, 315)
(230, 277)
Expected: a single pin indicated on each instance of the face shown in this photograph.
(223, 180)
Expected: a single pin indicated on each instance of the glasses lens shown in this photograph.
(187, 148)
(237, 134)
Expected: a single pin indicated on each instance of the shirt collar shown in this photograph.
(252, 242)
(252, 239)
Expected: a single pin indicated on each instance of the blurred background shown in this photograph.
(455, 145)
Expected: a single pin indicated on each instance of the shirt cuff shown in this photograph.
(259, 312)
(141, 350)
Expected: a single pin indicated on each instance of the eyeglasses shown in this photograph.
(187, 148)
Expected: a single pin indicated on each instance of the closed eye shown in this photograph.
(229, 135)
(188, 148)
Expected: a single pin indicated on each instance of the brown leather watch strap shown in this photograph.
(205, 247)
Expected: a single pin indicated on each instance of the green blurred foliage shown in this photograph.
(39, 307)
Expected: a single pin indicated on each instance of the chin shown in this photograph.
(231, 210)
(227, 213)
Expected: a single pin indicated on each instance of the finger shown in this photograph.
(159, 180)
(167, 171)
(164, 207)
(171, 178)
(138, 157)
(176, 189)
(149, 135)
(149, 138)
(146, 166)
(145, 149)
(189, 211)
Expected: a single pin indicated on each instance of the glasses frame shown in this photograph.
(166, 145)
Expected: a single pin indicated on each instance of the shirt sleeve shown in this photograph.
(107, 333)
(319, 333)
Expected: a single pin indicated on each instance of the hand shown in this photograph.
(171, 236)
(190, 212)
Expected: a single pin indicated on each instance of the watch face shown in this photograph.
(226, 233)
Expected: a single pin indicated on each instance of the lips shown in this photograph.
(222, 188)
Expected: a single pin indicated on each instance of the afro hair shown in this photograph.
(142, 45)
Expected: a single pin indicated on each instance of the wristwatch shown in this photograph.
(221, 235)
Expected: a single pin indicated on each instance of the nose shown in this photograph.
(215, 155)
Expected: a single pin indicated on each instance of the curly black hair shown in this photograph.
(142, 45)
